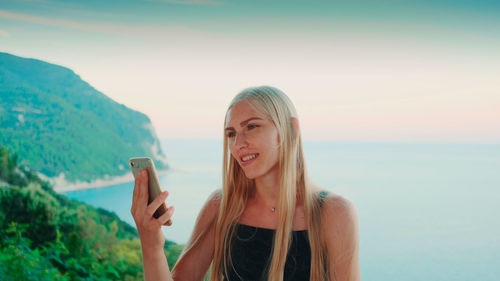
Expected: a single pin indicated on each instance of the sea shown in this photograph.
(427, 211)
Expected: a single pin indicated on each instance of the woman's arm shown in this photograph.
(153, 239)
(149, 228)
(340, 230)
(199, 251)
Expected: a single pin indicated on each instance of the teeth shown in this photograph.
(246, 158)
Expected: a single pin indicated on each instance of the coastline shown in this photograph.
(61, 185)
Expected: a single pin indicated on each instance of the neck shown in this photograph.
(267, 189)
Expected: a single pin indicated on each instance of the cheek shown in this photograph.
(274, 138)
(272, 143)
(232, 153)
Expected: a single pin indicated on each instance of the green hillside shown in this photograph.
(59, 124)
(46, 236)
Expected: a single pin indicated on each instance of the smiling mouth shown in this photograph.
(249, 157)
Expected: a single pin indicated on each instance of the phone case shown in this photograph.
(137, 164)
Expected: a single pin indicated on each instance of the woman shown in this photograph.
(268, 222)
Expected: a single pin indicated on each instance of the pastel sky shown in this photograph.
(356, 70)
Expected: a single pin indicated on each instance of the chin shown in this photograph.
(250, 176)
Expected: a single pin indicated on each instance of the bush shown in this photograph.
(46, 236)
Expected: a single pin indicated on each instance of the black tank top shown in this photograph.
(251, 252)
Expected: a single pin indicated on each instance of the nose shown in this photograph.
(240, 140)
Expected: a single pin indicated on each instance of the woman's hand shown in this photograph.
(149, 228)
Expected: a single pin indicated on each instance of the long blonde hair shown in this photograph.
(295, 185)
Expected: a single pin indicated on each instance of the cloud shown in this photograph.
(190, 2)
(124, 29)
(101, 27)
(35, 1)
(4, 33)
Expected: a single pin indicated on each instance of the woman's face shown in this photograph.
(253, 140)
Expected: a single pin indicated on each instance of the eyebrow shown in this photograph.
(244, 123)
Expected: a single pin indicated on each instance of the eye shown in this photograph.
(231, 134)
(252, 126)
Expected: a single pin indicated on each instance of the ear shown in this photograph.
(296, 127)
(295, 123)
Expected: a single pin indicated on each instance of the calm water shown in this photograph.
(426, 211)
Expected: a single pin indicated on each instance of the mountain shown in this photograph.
(46, 236)
(62, 126)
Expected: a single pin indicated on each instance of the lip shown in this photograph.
(246, 163)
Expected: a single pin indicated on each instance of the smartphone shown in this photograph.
(137, 164)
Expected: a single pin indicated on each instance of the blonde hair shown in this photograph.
(295, 185)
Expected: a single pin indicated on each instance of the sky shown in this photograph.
(412, 71)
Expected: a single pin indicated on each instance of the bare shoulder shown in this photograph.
(338, 213)
(335, 205)
(211, 207)
(215, 197)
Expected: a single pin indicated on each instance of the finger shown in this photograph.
(143, 179)
(136, 188)
(135, 195)
(151, 209)
(166, 218)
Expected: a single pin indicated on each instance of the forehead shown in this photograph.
(242, 111)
